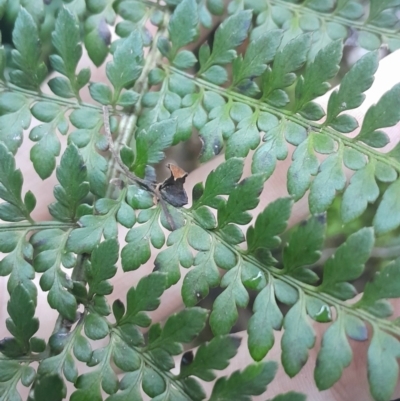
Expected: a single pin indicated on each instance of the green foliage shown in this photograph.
(49, 259)
(126, 67)
(21, 324)
(327, 20)
(72, 176)
(14, 208)
(251, 381)
(350, 94)
(15, 117)
(29, 72)
(69, 54)
(250, 90)
(182, 28)
(151, 143)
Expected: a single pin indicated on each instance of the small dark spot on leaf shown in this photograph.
(187, 358)
(321, 218)
(217, 146)
(47, 2)
(11, 348)
(41, 242)
(104, 32)
(246, 85)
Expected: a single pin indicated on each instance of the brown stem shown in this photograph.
(117, 158)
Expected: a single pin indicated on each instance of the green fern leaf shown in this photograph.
(97, 38)
(212, 355)
(235, 210)
(71, 174)
(224, 313)
(49, 259)
(88, 140)
(177, 330)
(49, 388)
(14, 118)
(30, 71)
(347, 264)
(231, 33)
(384, 285)
(350, 94)
(292, 56)
(182, 27)
(266, 318)
(66, 40)
(384, 114)
(330, 179)
(305, 164)
(10, 372)
(203, 274)
(243, 384)
(259, 53)
(21, 324)
(139, 238)
(44, 152)
(297, 339)
(364, 188)
(14, 208)
(102, 268)
(383, 368)
(271, 222)
(304, 248)
(275, 147)
(126, 66)
(145, 297)
(222, 181)
(150, 144)
(387, 215)
(15, 264)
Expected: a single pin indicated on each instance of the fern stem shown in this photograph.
(141, 87)
(254, 103)
(42, 96)
(42, 225)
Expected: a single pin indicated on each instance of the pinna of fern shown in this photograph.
(155, 102)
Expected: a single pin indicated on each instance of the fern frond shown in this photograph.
(251, 91)
(237, 115)
(328, 21)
